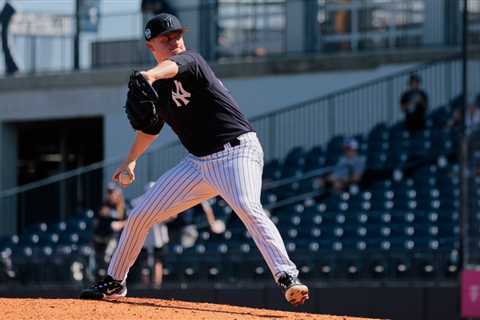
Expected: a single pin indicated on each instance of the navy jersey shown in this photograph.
(200, 110)
(416, 101)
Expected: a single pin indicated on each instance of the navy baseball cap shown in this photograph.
(350, 143)
(414, 77)
(162, 24)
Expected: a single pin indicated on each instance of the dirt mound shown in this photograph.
(139, 309)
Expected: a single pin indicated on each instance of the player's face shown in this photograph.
(167, 45)
(414, 84)
(350, 153)
(114, 196)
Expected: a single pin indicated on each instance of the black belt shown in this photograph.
(232, 143)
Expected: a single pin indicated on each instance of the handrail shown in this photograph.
(286, 181)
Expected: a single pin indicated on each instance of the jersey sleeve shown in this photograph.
(154, 128)
(190, 66)
(185, 61)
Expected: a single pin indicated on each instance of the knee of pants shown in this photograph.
(249, 206)
(140, 219)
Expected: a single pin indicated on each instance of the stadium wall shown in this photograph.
(399, 302)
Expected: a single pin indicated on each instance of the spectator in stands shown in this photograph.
(414, 103)
(154, 245)
(106, 225)
(472, 116)
(349, 168)
(185, 226)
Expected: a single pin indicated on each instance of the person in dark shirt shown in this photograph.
(414, 103)
(224, 158)
(106, 224)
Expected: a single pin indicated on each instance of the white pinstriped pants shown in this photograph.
(235, 174)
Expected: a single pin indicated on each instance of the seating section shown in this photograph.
(401, 222)
(58, 252)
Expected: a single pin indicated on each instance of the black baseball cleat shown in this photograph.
(296, 293)
(106, 288)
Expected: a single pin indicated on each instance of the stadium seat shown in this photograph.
(379, 133)
(272, 170)
(314, 159)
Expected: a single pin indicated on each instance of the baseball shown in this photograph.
(124, 178)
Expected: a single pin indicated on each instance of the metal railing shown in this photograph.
(232, 29)
(347, 112)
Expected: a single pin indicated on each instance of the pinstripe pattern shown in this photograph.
(236, 175)
(178, 189)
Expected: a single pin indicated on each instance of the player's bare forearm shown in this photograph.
(140, 145)
(164, 70)
(125, 173)
(208, 213)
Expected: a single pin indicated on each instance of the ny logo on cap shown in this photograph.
(148, 33)
(168, 22)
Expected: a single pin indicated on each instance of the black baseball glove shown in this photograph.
(140, 105)
(141, 87)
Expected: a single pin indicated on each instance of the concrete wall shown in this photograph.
(399, 301)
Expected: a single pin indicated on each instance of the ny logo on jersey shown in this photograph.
(181, 95)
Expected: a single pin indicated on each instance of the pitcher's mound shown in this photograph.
(140, 309)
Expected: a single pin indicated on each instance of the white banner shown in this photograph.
(40, 24)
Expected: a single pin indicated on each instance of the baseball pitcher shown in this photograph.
(225, 157)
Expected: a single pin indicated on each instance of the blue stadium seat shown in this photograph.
(268, 197)
(380, 132)
(37, 228)
(272, 170)
(377, 160)
(398, 133)
(439, 117)
(314, 159)
(378, 267)
(295, 157)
